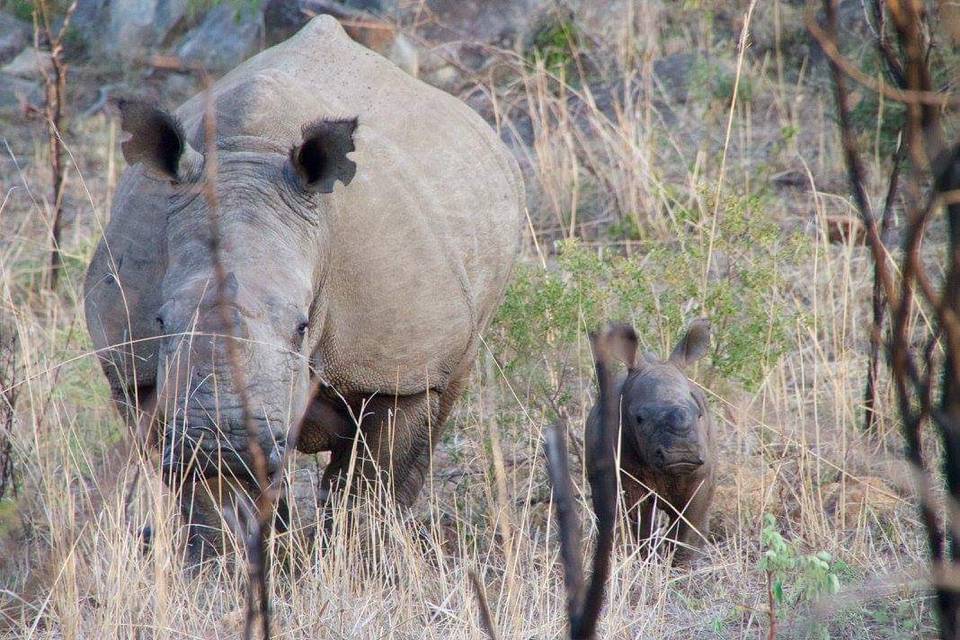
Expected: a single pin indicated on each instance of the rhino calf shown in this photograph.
(666, 449)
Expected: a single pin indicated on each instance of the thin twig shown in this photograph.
(486, 620)
(55, 88)
(931, 162)
(258, 596)
(555, 449)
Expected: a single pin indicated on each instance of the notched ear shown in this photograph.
(693, 345)
(619, 341)
(157, 141)
(321, 159)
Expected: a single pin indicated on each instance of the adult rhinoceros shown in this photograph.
(368, 224)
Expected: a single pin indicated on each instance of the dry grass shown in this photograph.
(790, 447)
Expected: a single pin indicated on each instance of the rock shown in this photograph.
(502, 23)
(225, 38)
(90, 20)
(372, 6)
(283, 18)
(672, 76)
(139, 25)
(128, 29)
(16, 92)
(857, 498)
(29, 64)
(14, 37)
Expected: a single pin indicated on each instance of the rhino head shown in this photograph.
(666, 425)
(235, 340)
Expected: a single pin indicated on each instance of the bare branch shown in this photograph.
(257, 555)
(486, 620)
(556, 451)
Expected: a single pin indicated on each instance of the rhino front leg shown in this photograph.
(202, 520)
(391, 450)
(694, 527)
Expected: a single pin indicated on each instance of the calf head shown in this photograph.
(664, 417)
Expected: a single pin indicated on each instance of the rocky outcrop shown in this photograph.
(128, 29)
(226, 37)
(14, 37)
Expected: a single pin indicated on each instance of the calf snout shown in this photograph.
(678, 459)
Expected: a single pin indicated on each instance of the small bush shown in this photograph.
(796, 579)
(658, 288)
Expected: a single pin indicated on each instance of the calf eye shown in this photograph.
(159, 321)
(302, 328)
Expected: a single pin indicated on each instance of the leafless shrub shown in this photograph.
(55, 88)
(8, 402)
(584, 597)
(926, 375)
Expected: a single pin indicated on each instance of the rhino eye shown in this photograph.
(159, 321)
(302, 328)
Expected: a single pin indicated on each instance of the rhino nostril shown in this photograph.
(660, 455)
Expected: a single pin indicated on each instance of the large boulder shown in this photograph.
(29, 64)
(136, 25)
(226, 37)
(497, 22)
(14, 37)
(128, 29)
(16, 93)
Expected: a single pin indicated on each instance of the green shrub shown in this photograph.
(712, 82)
(658, 289)
(554, 44)
(797, 579)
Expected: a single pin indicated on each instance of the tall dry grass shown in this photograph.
(72, 564)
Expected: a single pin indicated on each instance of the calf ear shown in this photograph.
(157, 141)
(693, 345)
(619, 342)
(321, 158)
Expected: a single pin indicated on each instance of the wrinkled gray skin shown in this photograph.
(368, 226)
(666, 444)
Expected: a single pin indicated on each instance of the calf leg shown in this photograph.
(694, 526)
(640, 512)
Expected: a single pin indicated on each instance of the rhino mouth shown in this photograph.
(678, 462)
(203, 453)
(683, 466)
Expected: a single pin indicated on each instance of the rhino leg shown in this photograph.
(396, 437)
(694, 526)
(642, 516)
(386, 452)
(203, 522)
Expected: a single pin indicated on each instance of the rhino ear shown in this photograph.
(619, 342)
(693, 345)
(157, 141)
(321, 158)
